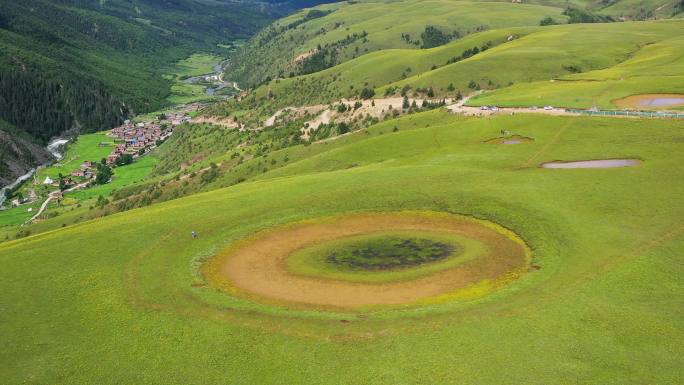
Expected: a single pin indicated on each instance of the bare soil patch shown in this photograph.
(256, 267)
(223, 122)
(651, 101)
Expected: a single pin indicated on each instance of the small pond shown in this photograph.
(599, 163)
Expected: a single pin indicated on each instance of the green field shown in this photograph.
(18, 215)
(182, 92)
(135, 172)
(196, 64)
(85, 148)
(604, 307)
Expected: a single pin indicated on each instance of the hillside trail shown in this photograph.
(323, 114)
(462, 109)
(51, 196)
(222, 122)
(550, 143)
(200, 171)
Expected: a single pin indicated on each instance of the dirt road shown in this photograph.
(51, 196)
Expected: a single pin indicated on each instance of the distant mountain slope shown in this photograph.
(314, 39)
(571, 65)
(619, 9)
(655, 68)
(556, 52)
(85, 65)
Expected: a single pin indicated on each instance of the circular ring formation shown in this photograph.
(256, 268)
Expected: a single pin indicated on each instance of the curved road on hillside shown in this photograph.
(51, 196)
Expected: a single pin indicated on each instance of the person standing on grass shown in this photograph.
(194, 235)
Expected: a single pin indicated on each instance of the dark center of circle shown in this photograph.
(390, 253)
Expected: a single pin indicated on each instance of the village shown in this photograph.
(129, 141)
(134, 140)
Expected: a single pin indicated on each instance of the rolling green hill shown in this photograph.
(281, 237)
(314, 39)
(569, 52)
(517, 66)
(656, 68)
(381, 68)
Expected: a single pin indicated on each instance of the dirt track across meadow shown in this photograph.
(256, 267)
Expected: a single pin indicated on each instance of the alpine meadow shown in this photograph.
(342, 192)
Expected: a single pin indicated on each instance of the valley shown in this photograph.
(76, 170)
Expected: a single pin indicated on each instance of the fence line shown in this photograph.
(646, 114)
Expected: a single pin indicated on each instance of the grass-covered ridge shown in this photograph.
(655, 67)
(550, 53)
(315, 39)
(381, 68)
(352, 29)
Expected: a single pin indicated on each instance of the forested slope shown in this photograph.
(75, 64)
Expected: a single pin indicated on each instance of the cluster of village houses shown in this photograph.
(137, 138)
(134, 139)
(130, 138)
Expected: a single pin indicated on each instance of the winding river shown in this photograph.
(218, 84)
(55, 147)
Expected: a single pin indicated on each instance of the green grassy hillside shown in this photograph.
(343, 31)
(604, 306)
(315, 39)
(561, 52)
(656, 68)
(381, 68)
(519, 63)
(640, 9)
(142, 280)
